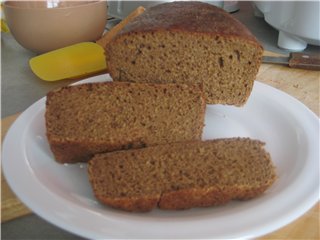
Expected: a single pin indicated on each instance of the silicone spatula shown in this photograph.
(78, 60)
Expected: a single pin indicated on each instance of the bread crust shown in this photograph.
(191, 16)
(133, 204)
(183, 199)
(72, 151)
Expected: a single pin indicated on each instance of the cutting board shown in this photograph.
(302, 84)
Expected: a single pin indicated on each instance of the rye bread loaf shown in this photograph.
(182, 175)
(188, 42)
(85, 119)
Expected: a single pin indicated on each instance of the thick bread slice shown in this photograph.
(182, 175)
(85, 119)
(188, 42)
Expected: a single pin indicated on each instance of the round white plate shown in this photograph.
(62, 195)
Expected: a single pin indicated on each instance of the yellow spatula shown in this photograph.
(74, 61)
(78, 60)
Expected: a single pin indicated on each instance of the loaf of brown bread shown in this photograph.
(85, 119)
(182, 175)
(188, 42)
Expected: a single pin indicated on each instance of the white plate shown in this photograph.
(61, 194)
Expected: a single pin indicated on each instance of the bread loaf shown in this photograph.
(85, 119)
(182, 175)
(188, 42)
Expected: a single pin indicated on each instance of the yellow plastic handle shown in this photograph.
(78, 60)
(4, 26)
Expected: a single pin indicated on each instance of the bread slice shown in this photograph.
(182, 175)
(188, 42)
(85, 119)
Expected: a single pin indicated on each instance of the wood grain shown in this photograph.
(301, 84)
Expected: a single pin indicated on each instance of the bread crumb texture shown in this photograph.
(182, 175)
(85, 119)
(192, 43)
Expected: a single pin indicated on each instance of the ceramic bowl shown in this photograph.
(42, 26)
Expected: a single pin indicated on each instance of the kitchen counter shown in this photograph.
(20, 88)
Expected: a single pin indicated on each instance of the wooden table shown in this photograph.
(302, 84)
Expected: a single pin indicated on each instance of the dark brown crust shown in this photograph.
(72, 151)
(207, 197)
(183, 199)
(194, 17)
(138, 204)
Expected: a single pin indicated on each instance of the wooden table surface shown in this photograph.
(301, 84)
